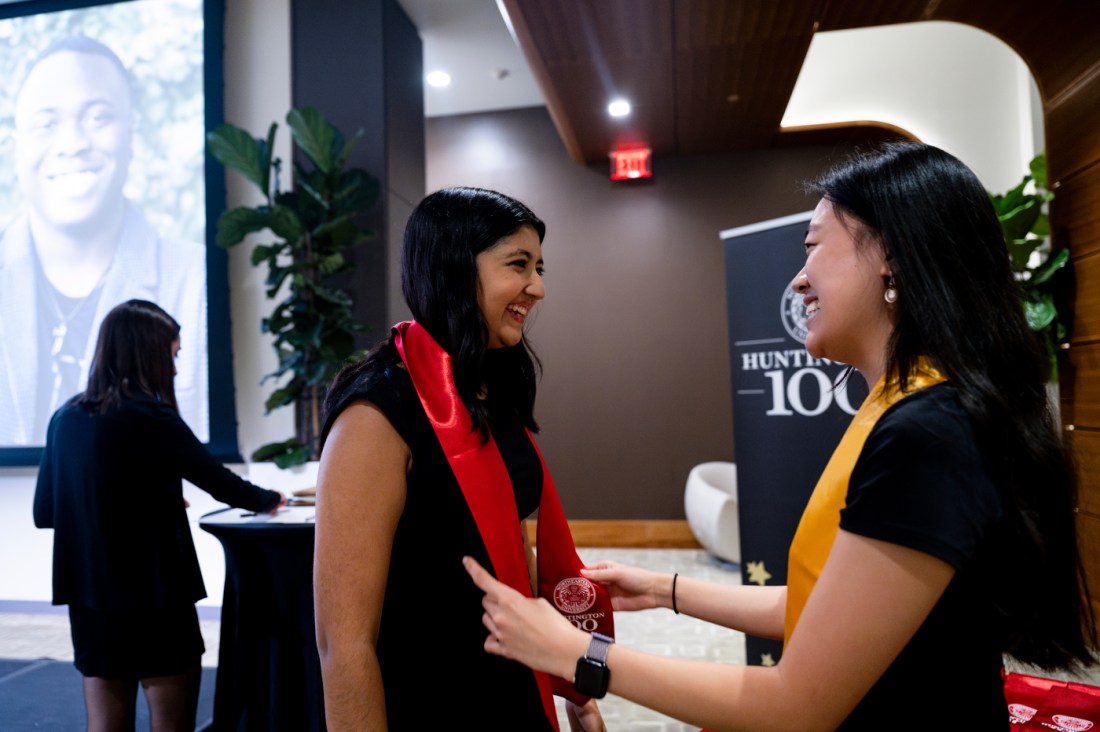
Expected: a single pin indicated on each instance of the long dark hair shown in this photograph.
(444, 234)
(133, 356)
(960, 306)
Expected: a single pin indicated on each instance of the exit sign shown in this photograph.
(630, 164)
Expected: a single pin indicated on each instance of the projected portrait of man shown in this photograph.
(81, 246)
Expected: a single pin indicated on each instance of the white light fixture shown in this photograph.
(619, 108)
(438, 79)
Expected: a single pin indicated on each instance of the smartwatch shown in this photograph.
(592, 675)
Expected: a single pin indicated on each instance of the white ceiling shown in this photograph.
(470, 40)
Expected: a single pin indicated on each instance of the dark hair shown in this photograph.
(444, 234)
(960, 307)
(80, 44)
(133, 356)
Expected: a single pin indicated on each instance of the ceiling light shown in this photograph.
(438, 79)
(619, 108)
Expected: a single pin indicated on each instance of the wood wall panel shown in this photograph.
(1076, 208)
(1082, 380)
(1088, 543)
(630, 534)
(1073, 135)
(1086, 299)
(1086, 447)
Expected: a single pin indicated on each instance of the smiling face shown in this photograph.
(842, 284)
(73, 133)
(509, 283)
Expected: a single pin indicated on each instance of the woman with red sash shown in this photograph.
(940, 537)
(427, 458)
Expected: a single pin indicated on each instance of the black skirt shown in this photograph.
(135, 644)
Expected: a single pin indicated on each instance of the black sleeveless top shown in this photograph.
(430, 646)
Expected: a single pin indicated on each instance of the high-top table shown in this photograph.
(269, 673)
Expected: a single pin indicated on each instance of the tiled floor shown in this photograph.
(38, 635)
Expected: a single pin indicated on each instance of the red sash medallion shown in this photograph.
(485, 483)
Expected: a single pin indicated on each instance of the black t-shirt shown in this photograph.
(922, 482)
(435, 670)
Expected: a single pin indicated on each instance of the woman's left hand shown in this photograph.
(587, 718)
(527, 630)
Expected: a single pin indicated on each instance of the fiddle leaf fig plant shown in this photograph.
(303, 236)
(1022, 212)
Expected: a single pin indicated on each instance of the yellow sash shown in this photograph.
(821, 518)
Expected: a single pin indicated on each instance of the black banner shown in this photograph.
(787, 415)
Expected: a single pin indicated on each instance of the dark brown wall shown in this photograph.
(633, 331)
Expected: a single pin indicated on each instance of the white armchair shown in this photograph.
(710, 503)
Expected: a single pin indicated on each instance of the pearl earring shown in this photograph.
(891, 294)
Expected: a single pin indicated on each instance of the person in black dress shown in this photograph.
(398, 622)
(110, 485)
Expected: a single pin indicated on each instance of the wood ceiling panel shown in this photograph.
(734, 97)
(847, 14)
(681, 62)
(736, 65)
(586, 52)
(711, 23)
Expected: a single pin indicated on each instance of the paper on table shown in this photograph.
(285, 515)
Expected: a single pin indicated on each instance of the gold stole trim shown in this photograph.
(821, 518)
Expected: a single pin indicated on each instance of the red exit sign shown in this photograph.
(630, 164)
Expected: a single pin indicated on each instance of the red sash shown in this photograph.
(485, 483)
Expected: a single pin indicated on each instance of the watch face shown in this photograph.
(591, 678)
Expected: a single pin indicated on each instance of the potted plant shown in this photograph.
(311, 226)
(1023, 215)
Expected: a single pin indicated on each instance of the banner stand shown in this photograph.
(787, 415)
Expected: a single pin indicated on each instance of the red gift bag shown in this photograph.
(1036, 703)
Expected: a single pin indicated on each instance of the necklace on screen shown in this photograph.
(67, 358)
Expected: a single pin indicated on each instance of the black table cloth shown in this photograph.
(269, 673)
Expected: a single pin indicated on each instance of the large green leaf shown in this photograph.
(1017, 222)
(234, 148)
(1047, 269)
(1040, 313)
(346, 150)
(286, 224)
(316, 136)
(234, 225)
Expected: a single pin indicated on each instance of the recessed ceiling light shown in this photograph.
(438, 78)
(619, 108)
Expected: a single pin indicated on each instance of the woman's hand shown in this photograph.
(585, 718)
(527, 630)
(280, 504)
(631, 588)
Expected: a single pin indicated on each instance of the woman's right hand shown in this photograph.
(631, 588)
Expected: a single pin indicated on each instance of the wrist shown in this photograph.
(578, 644)
(664, 595)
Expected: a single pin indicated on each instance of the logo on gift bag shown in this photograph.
(1071, 724)
(574, 595)
(1021, 713)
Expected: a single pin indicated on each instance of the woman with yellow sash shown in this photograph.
(428, 456)
(940, 537)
